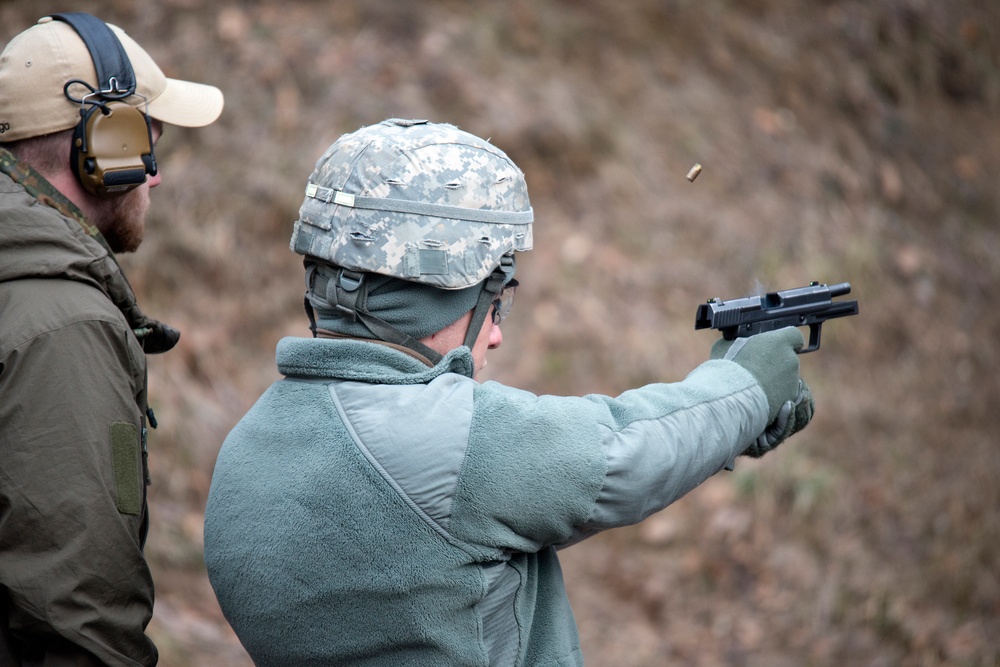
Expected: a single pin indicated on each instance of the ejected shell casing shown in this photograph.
(693, 174)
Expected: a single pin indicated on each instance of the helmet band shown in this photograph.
(329, 195)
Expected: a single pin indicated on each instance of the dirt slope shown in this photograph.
(841, 141)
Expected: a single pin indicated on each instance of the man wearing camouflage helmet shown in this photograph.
(379, 505)
(81, 108)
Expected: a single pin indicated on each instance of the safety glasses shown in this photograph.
(504, 302)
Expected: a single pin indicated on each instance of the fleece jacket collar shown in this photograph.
(362, 361)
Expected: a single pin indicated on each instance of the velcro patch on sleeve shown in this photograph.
(125, 463)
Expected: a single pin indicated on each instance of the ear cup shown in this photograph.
(112, 149)
(113, 144)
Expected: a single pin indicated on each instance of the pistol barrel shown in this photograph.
(840, 289)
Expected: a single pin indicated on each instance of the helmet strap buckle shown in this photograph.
(348, 293)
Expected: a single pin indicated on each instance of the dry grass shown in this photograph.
(841, 141)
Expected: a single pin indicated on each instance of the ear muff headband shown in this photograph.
(112, 150)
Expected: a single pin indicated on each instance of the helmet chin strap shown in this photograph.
(491, 288)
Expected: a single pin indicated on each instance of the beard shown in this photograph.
(122, 219)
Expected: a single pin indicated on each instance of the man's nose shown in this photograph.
(496, 337)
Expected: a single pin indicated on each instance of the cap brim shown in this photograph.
(187, 104)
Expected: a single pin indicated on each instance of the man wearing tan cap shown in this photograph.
(81, 108)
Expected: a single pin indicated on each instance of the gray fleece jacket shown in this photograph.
(370, 510)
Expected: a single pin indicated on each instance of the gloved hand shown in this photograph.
(792, 418)
(770, 357)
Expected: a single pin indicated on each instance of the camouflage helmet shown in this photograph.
(419, 201)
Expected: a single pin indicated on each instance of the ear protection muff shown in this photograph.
(112, 150)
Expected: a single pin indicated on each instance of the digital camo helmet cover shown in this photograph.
(423, 202)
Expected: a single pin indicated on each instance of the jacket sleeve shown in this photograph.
(545, 470)
(72, 495)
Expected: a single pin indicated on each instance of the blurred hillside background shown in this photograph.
(841, 140)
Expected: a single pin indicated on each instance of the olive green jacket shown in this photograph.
(73, 579)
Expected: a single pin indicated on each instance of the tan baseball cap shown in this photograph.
(36, 64)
